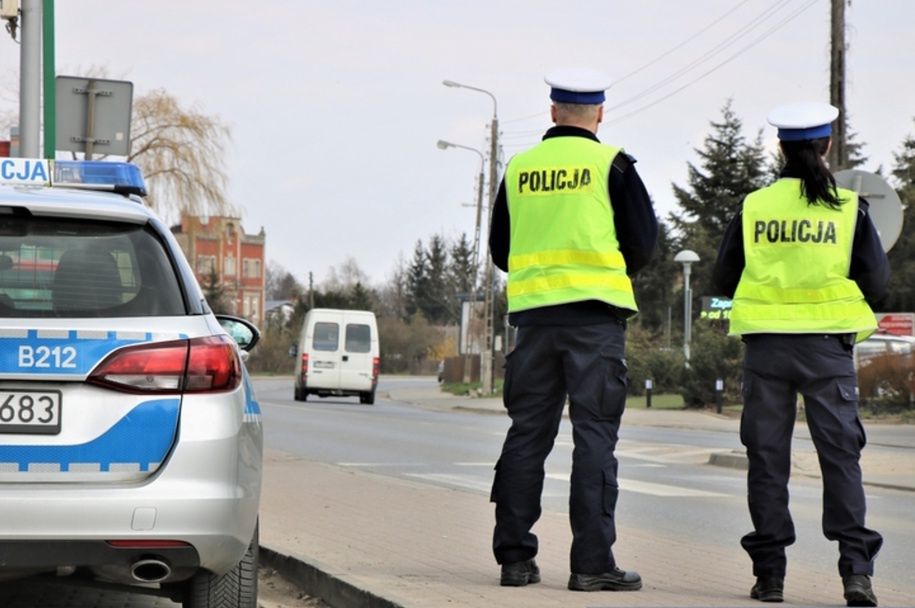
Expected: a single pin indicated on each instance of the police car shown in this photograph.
(130, 437)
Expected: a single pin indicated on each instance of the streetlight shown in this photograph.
(487, 362)
(687, 257)
(444, 145)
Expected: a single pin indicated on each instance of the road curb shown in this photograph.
(318, 583)
(732, 460)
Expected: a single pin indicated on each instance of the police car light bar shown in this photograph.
(123, 178)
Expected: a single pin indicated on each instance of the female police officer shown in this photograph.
(802, 261)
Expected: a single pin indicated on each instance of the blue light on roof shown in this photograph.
(124, 178)
(120, 177)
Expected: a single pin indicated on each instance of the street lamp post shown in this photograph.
(486, 365)
(444, 145)
(687, 257)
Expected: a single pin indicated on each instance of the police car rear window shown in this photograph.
(51, 267)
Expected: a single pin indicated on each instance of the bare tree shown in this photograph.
(180, 151)
(345, 275)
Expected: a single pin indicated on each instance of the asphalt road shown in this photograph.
(667, 486)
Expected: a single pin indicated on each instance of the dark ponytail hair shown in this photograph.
(805, 158)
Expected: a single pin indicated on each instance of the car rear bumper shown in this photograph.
(206, 495)
(151, 564)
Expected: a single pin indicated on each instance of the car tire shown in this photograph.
(237, 588)
(367, 398)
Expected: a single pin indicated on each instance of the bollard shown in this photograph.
(719, 394)
(647, 393)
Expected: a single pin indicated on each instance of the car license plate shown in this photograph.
(35, 412)
(324, 365)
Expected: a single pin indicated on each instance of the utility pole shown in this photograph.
(311, 290)
(488, 356)
(486, 359)
(30, 79)
(838, 154)
(50, 89)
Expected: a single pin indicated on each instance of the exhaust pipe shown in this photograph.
(150, 570)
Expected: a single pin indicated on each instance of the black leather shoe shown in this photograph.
(858, 590)
(768, 589)
(519, 574)
(615, 580)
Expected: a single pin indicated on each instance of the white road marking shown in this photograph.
(382, 464)
(653, 489)
(666, 454)
(460, 481)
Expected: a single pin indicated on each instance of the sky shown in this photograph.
(335, 106)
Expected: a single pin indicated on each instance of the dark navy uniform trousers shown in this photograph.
(821, 368)
(586, 363)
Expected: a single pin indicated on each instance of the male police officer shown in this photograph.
(802, 260)
(571, 222)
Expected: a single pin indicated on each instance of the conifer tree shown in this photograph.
(901, 292)
(654, 284)
(731, 167)
(436, 296)
(462, 276)
(416, 280)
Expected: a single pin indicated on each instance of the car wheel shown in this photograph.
(237, 588)
(367, 398)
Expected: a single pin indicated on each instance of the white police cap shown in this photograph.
(803, 120)
(578, 85)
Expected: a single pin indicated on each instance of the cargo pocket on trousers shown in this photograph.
(848, 398)
(615, 387)
(611, 491)
(848, 392)
(507, 379)
(493, 494)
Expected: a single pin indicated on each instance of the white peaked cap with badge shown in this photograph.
(803, 120)
(578, 85)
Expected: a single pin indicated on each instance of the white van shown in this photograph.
(337, 354)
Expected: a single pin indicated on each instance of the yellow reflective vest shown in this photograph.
(563, 243)
(797, 259)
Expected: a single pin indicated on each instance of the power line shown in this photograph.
(733, 38)
(753, 43)
(659, 57)
(681, 45)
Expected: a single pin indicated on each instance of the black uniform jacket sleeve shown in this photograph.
(869, 266)
(634, 217)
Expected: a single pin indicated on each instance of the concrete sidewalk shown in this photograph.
(359, 539)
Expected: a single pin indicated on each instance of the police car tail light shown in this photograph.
(213, 365)
(198, 365)
(157, 368)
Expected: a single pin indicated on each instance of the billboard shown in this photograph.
(896, 323)
(715, 308)
(472, 330)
